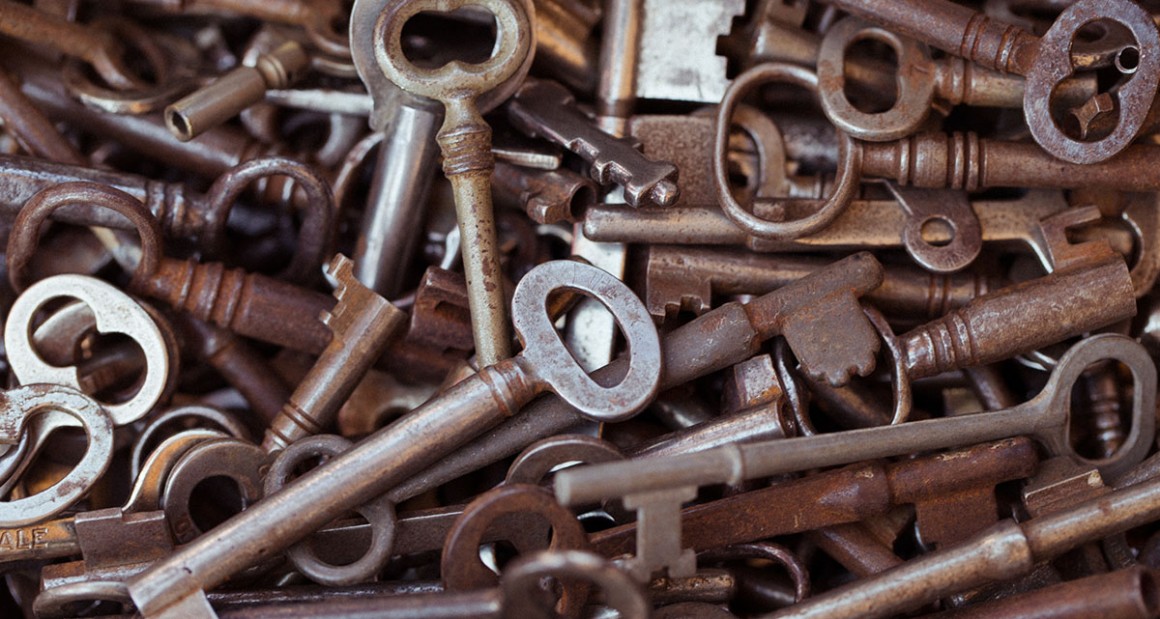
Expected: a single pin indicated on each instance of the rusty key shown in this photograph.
(465, 140)
(173, 587)
(362, 323)
(1044, 417)
(823, 302)
(1044, 61)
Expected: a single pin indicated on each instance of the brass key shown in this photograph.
(465, 139)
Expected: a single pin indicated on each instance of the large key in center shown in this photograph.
(172, 586)
(465, 140)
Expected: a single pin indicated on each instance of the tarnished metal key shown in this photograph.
(172, 587)
(100, 48)
(1045, 418)
(723, 337)
(465, 139)
(1045, 61)
(1003, 552)
(547, 109)
(362, 323)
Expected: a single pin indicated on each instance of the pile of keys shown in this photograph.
(566, 308)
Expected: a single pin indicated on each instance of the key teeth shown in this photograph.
(340, 268)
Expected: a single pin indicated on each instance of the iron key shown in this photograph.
(465, 139)
(172, 587)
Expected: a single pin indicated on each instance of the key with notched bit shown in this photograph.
(546, 109)
(362, 323)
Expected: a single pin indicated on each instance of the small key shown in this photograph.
(362, 323)
(849, 494)
(465, 140)
(402, 449)
(879, 224)
(1044, 418)
(693, 279)
(1044, 61)
(546, 109)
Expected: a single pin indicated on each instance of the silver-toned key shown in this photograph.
(362, 324)
(173, 587)
(546, 109)
(1045, 417)
(465, 141)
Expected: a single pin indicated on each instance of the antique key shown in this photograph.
(362, 324)
(465, 139)
(1044, 61)
(1045, 418)
(172, 587)
(99, 48)
(922, 82)
(547, 109)
(1002, 552)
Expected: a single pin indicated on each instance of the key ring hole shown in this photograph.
(867, 58)
(454, 80)
(546, 357)
(432, 39)
(1101, 405)
(1108, 131)
(937, 231)
(820, 212)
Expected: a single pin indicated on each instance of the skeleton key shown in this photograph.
(694, 279)
(362, 323)
(735, 332)
(850, 494)
(1044, 417)
(395, 453)
(1044, 61)
(465, 140)
(546, 109)
(99, 48)
(922, 83)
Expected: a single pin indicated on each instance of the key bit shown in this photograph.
(546, 109)
(362, 323)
